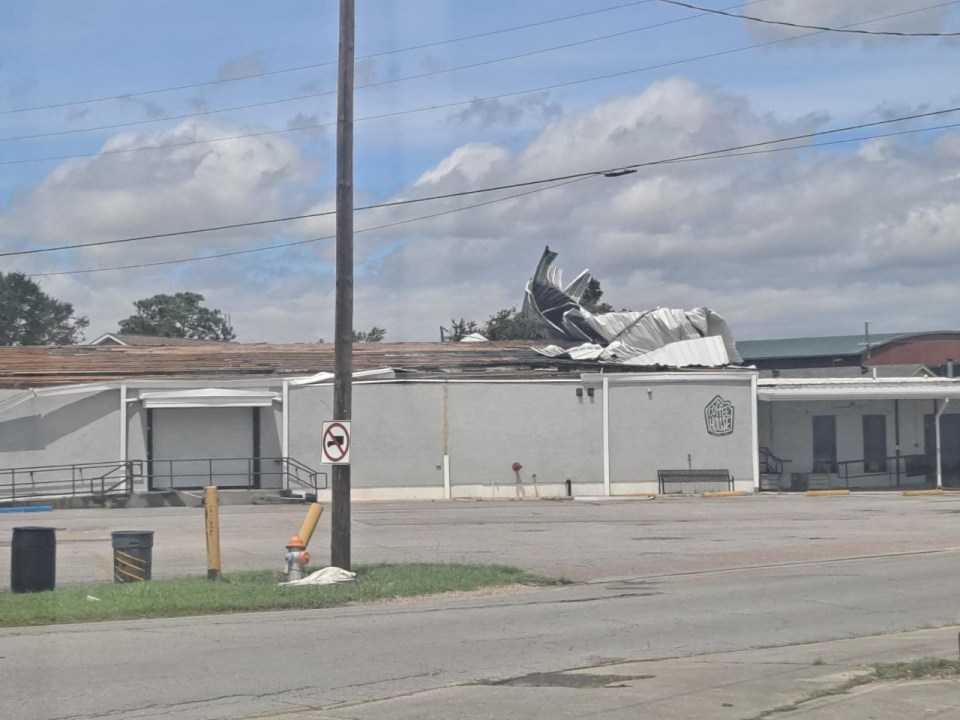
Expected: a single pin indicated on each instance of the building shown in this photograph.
(429, 420)
(448, 420)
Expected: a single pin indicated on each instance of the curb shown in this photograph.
(825, 493)
(914, 493)
(725, 494)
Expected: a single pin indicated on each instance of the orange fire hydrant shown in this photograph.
(297, 558)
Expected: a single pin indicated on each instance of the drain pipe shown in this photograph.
(936, 423)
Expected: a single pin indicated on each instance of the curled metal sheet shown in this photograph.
(664, 337)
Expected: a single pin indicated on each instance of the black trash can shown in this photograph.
(132, 555)
(33, 559)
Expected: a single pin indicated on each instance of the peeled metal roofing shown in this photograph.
(625, 337)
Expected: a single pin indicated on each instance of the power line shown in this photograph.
(489, 202)
(810, 27)
(459, 103)
(381, 83)
(314, 66)
(311, 240)
(510, 186)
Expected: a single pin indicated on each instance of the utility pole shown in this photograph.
(343, 326)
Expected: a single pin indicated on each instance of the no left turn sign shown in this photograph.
(335, 443)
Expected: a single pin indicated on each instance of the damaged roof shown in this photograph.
(22, 367)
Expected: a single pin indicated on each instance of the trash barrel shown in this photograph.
(132, 555)
(33, 559)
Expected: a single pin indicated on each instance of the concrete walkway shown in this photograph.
(782, 683)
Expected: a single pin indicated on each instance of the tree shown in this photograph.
(458, 330)
(28, 316)
(373, 335)
(591, 299)
(177, 316)
(510, 324)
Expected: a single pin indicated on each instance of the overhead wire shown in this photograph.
(328, 63)
(509, 186)
(459, 103)
(295, 243)
(802, 26)
(380, 83)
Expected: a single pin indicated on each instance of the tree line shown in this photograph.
(28, 316)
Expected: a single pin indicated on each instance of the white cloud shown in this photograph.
(793, 243)
(904, 16)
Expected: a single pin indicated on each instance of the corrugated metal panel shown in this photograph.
(700, 352)
(626, 335)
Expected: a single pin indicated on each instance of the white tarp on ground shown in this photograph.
(327, 576)
(664, 337)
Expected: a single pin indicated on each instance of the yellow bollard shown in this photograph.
(310, 523)
(211, 511)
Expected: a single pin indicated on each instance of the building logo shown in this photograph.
(718, 415)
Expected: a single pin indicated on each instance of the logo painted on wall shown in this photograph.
(718, 415)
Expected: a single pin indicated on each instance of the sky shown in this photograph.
(120, 119)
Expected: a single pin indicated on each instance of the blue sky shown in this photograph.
(782, 244)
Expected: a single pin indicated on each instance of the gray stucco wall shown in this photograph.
(544, 426)
(60, 430)
(660, 425)
(396, 432)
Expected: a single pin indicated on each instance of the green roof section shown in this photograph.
(831, 346)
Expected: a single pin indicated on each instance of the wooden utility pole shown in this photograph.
(343, 327)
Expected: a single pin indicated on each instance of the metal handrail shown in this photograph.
(117, 477)
(74, 479)
(770, 463)
(893, 467)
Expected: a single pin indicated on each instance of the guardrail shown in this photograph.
(94, 479)
(237, 473)
(118, 477)
(886, 472)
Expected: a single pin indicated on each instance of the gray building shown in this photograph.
(436, 421)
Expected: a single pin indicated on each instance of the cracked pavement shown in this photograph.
(423, 658)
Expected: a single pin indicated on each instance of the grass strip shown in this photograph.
(248, 592)
(929, 667)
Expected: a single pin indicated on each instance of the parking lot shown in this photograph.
(575, 539)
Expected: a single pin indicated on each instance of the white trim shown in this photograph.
(446, 477)
(285, 420)
(432, 492)
(99, 340)
(208, 397)
(936, 423)
(673, 377)
(755, 433)
(123, 423)
(606, 435)
(911, 388)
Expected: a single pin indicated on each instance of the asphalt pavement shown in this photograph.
(722, 608)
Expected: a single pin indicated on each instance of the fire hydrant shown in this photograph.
(296, 558)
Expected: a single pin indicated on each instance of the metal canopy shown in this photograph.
(208, 397)
(858, 389)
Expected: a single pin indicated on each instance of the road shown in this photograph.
(745, 573)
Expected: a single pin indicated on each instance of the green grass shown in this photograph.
(248, 592)
(923, 668)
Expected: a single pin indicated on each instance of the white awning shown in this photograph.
(208, 397)
(859, 389)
